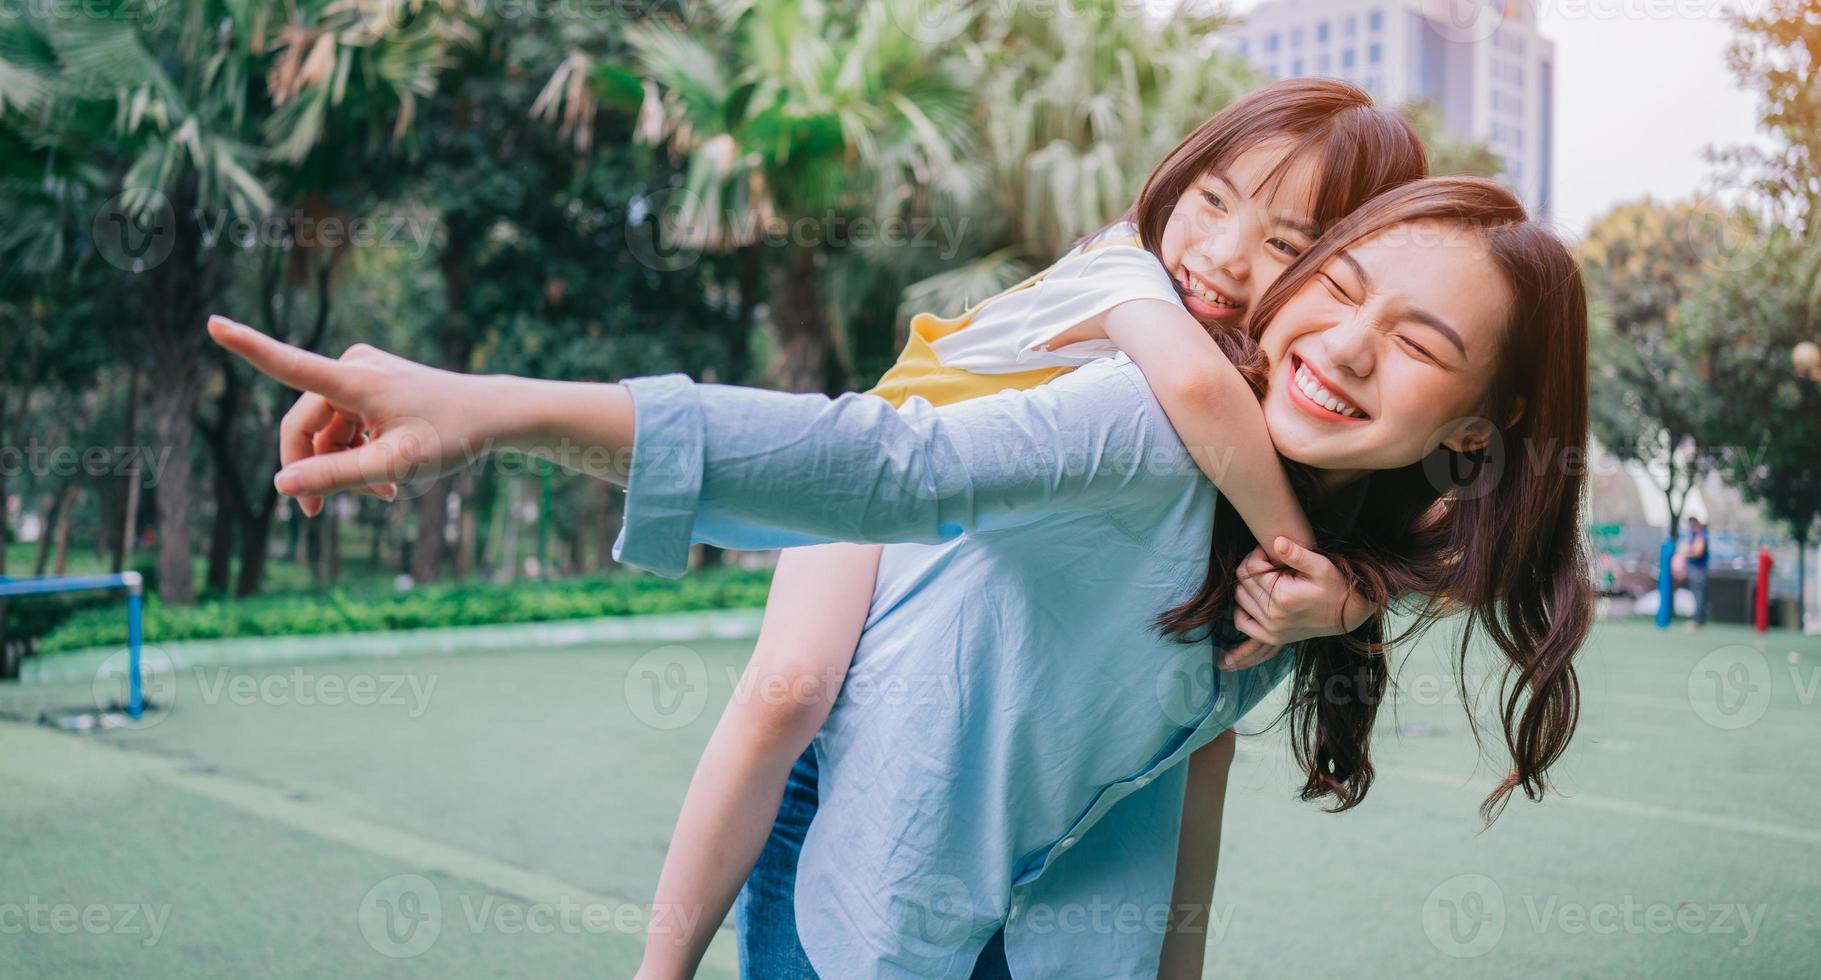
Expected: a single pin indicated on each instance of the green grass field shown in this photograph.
(506, 815)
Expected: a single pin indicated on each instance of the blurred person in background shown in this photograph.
(1696, 561)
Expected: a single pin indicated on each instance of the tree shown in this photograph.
(1075, 104)
(1750, 319)
(1651, 400)
(181, 116)
(348, 84)
(532, 270)
(796, 120)
(1747, 322)
(1448, 155)
(43, 361)
(157, 110)
(1776, 51)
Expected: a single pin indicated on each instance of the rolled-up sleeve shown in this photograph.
(665, 481)
(746, 468)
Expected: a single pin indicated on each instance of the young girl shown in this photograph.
(1219, 219)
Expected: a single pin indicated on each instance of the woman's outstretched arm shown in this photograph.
(734, 466)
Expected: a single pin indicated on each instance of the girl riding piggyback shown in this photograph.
(1219, 219)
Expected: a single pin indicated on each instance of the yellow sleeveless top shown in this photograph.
(919, 371)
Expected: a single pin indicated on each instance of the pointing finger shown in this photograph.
(288, 365)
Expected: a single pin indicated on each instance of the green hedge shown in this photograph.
(428, 606)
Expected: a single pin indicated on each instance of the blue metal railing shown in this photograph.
(132, 582)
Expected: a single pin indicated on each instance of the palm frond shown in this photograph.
(959, 288)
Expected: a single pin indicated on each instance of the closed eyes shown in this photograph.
(1419, 349)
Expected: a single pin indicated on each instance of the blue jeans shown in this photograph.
(765, 915)
(1697, 583)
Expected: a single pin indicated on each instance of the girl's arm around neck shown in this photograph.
(1215, 414)
(1287, 592)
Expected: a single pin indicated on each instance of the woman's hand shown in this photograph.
(370, 420)
(1299, 596)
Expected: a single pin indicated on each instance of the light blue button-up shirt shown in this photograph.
(1006, 749)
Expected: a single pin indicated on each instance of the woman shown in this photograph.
(1043, 537)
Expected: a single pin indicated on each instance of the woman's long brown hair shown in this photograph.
(1502, 549)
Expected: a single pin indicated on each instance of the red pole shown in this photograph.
(1761, 615)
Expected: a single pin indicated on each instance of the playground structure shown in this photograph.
(134, 585)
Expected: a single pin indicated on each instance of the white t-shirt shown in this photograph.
(1091, 279)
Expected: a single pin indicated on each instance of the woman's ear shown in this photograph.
(1469, 434)
(1517, 411)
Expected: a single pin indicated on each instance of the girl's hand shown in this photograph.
(1299, 596)
(367, 422)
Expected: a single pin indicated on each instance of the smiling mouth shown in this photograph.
(1214, 302)
(1318, 396)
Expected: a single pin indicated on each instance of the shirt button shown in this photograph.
(1143, 781)
(1017, 906)
(1065, 843)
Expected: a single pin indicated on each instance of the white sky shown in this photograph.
(1637, 102)
(1641, 91)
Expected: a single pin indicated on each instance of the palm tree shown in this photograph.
(795, 118)
(1075, 104)
(183, 116)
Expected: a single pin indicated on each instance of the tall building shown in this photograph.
(1481, 62)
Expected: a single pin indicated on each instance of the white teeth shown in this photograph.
(1320, 395)
(1207, 295)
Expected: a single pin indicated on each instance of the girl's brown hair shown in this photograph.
(1503, 549)
(1362, 149)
